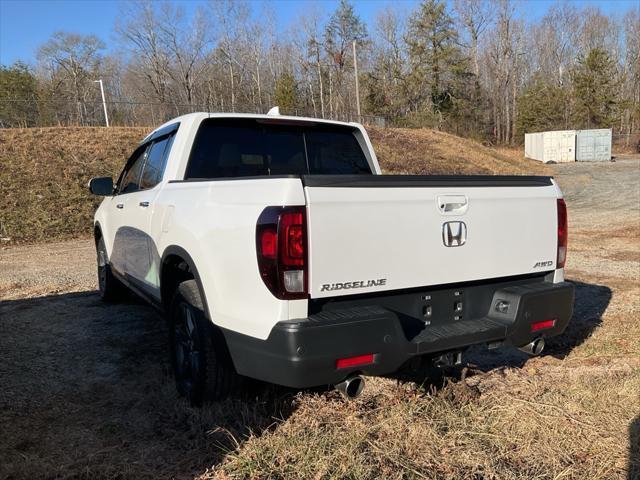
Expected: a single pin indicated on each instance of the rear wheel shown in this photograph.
(201, 365)
(111, 289)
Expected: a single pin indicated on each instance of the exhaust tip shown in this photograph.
(351, 387)
(536, 347)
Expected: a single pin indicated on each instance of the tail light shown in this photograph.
(562, 233)
(281, 245)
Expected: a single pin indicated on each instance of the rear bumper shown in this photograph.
(302, 353)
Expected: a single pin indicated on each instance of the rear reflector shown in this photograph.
(355, 361)
(543, 325)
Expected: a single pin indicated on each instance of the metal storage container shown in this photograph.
(558, 146)
(593, 145)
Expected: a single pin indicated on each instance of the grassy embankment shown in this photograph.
(44, 172)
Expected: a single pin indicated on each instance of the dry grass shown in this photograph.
(540, 423)
(44, 172)
(430, 152)
(87, 393)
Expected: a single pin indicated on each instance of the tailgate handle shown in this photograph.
(452, 204)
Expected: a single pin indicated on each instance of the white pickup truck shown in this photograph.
(279, 251)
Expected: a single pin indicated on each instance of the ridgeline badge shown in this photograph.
(329, 287)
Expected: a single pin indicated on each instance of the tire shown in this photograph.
(201, 364)
(110, 288)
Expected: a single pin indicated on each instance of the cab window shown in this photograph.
(156, 162)
(130, 177)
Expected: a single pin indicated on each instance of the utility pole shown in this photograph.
(104, 103)
(355, 67)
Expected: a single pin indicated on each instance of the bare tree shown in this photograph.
(187, 44)
(73, 61)
(469, 66)
(140, 32)
(344, 27)
(232, 17)
(312, 45)
(630, 119)
(503, 55)
(475, 17)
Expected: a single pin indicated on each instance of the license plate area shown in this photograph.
(429, 307)
(442, 307)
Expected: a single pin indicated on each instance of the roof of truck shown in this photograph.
(191, 117)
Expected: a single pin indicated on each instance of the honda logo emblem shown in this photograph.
(454, 234)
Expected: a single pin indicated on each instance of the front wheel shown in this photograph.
(201, 368)
(110, 288)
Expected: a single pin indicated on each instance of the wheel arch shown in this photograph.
(172, 257)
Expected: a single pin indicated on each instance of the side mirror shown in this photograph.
(102, 186)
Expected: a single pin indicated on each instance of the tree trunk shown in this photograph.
(259, 86)
(320, 82)
(233, 94)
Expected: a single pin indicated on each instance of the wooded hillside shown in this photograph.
(485, 69)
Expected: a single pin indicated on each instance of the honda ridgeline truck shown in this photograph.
(278, 251)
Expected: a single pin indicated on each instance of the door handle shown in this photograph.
(120, 205)
(144, 204)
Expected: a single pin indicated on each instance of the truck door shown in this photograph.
(141, 248)
(120, 209)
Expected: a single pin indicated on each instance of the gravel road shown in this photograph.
(86, 389)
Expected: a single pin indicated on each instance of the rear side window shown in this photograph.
(156, 162)
(250, 147)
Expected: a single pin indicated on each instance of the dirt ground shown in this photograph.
(85, 389)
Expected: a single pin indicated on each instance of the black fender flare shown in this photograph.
(218, 334)
(184, 255)
(97, 227)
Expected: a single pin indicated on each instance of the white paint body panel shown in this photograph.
(215, 222)
(354, 233)
(361, 234)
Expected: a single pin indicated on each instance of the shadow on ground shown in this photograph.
(591, 302)
(86, 391)
(634, 450)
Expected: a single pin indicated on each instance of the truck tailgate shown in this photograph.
(375, 233)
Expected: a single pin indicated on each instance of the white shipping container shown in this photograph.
(557, 146)
(593, 145)
(533, 145)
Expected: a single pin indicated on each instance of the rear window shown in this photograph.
(249, 147)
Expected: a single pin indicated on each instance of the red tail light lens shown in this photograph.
(563, 233)
(291, 228)
(281, 244)
(294, 242)
(269, 243)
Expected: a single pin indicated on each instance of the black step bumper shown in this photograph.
(303, 353)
